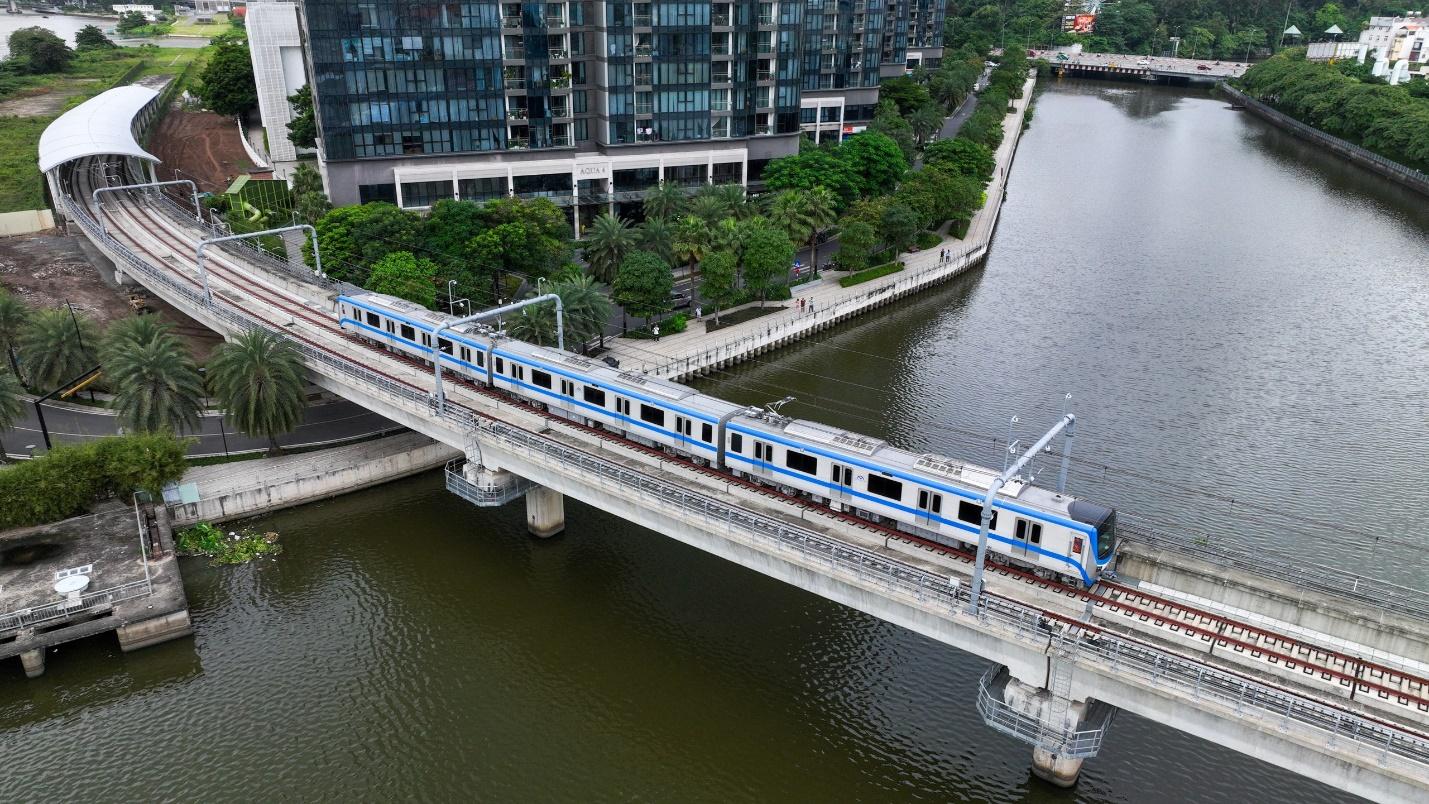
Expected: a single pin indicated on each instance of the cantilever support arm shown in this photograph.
(1067, 422)
(492, 313)
(204, 244)
(99, 210)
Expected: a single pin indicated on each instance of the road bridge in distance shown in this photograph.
(1149, 68)
(1325, 679)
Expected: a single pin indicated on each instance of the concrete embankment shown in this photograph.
(826, 303)
(1388, 168)
(248, 488)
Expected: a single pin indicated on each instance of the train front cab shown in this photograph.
(1103, 519)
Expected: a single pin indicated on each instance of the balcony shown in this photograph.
(510, 22)
(642, 20)
(645, 108)
(516, 114)
(764, 75)
(719, 19)
(766, 20)
(761, 129)
(518, 143)
(766, 47)
(720, 77)
(514, 53)
(510, 82)
(719, 105)
(559, 82)
(556, 54)
(560, 111)
(560, 140)
(555, 20)
(644, 50)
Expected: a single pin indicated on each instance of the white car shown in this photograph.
(1144, 62)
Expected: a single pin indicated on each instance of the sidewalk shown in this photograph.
(697, 351)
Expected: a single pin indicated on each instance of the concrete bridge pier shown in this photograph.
(34, 662)
(545, 512)
(1064, 733)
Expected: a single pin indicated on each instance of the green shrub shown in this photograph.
(870, 274)
(65, 482)
(236, 548)
(960, 229)
(927, 240)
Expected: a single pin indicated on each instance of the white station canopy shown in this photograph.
(99, 126)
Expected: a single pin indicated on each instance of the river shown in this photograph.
(1235, 315)
(66, 26)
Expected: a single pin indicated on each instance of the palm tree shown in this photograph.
(14, 315)
(55, 347)
(156, 384)
(535, 324)
(735, 200)
(587, 309)
(709, 208)
(607, 242)
(11, 405)
(692, 241)
(823, 212)
(790, 212)
(664, 200)
(656, 236)
(726, 236)
(258, 378)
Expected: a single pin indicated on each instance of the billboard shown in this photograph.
(1084, 23)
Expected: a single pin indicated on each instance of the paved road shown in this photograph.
(69, 424)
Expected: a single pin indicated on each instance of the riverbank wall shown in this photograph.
(247, 488)
(1388, 168)
(826, 303)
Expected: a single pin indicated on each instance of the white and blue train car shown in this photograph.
(929, 496)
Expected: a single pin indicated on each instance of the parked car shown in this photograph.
(679, 300)
(1202, 67)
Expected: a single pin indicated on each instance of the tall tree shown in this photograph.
(790, 212)
(875, 162)
(14, 318)
(303, 128)
(227, 85)
(692, 241)
(664, 200)
(856, 241)
(709, 208)
(719, 280)
(258, 378)
(823, 214)
(587, 308)
(12, 406)
(608, 240)
(56, 347)
(90, 37)
(657, 236)
(155, 381)
(888, 122)
(37, 50)
(900, 226)
(354, 238)
(767, 257)
(811, 168)
(643, 285)
(962, 156)
(735, 198)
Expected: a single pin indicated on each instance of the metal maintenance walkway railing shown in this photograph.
(1252, 702)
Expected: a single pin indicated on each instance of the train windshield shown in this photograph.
(1103, 519)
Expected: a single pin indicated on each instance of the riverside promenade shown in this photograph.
(696, 351)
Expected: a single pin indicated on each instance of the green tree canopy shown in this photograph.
(719, 280)
(155, 381)
(643, 285)
(856, 242)
(664, 200)
(875, 162)
(889, 123)
(810, 168)
(303, 128)
(14, 319)
(767, 257)
(900, 226)
(607, 242)
(226, 83)
(908, 95)
(354, 238)
(130, 21)
(405, 276)
(961, 156)
(658, 237)
(12, 406)
(56, 347)
(90, 37)
(38, 50)
(258, 377)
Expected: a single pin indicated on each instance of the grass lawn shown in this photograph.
(186, 27)
(89, 74)
(738, 317)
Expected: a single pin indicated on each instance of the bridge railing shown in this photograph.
(1084, 645)
(101, 599)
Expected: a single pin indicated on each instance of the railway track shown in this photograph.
(1215, 631)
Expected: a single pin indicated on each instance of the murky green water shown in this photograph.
(1227, 306)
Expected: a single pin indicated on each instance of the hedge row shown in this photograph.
(870, 273)
(68, 480)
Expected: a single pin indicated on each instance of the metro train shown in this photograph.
(928, 496)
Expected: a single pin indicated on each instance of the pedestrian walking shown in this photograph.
(699, 312)
(655, 330)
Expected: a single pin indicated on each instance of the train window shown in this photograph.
(801, 462)
(652, 415)
(373, 320)
(930, 502)
(707, 433)
(480, 360)
(391, 327)
(517, 371)
(971, 513)
(595, 396)
(841, 475)
(885, 487)
(1036, 533)
(541, 378)
(500, 366)
(445, 345)
(409, 333)
(465, 354)
(1020, 532)
(427, 339)
(682, 425)
(622, 406)
(568, 388)
(736, 442)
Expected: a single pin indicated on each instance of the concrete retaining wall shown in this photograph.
(330, 473)
(26, 222)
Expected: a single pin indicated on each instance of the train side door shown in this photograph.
(1027, 537)
(763, 458)
(842, 478)
(930, 505)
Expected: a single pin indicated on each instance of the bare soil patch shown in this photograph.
(205, 146)
(45, 101)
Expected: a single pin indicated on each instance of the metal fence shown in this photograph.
(103, 599)
(487, 495)
(1086, 646)
(997, 713)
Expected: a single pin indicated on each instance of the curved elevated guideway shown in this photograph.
(1348, 708)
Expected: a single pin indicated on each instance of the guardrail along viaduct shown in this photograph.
(1328, 683)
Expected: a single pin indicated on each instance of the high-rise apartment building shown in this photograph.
(590, 103)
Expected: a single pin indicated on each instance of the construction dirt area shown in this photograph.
(50, 270)
(203, 146)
